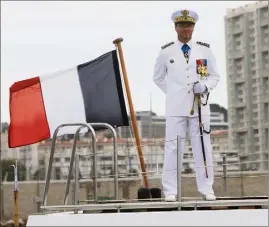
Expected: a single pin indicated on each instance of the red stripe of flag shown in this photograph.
(28, 121)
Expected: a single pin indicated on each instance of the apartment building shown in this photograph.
(128, 162)
(246, 33)
(36, 157)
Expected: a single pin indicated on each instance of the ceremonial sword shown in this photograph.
(198, 97)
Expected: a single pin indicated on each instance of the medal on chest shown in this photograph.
(201, 68)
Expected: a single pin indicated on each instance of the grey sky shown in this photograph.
(42, 37)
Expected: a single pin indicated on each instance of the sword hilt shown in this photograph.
(195, 96)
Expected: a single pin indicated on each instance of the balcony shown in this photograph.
(265, 98)
(241, 127)
(264, 47)
(237, 29)
(229, 168)
(238, 53)
(240, 104)
(265, 73)
(255, 119)
(239, 79)
(257, 144)
(264, 21)
(232, 159)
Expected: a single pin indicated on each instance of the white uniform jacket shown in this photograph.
(175, 77)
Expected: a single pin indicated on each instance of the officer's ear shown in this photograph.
(176, 26)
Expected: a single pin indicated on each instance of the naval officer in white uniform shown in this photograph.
(179, 65)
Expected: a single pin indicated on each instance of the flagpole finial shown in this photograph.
(118, 40)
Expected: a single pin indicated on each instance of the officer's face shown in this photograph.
(184, 30)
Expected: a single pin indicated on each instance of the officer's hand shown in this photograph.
(199, 88)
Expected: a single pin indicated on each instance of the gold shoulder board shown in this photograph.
(203, 44)
(167, 45)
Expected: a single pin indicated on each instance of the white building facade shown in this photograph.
(246, 33)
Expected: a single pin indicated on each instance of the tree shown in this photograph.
(9, 170)
(39, 174)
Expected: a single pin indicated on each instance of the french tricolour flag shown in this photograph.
(88, 93)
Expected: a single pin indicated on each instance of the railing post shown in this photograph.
(71, 164)
(224, 168)
(241, 179)
(76, 185)
(115, 157)
(45, 196)
(90, 128)
(179, 157)
(53, 144)
(73, 157)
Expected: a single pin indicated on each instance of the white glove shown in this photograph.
(199, 88)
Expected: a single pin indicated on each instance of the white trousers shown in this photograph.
(179, 126)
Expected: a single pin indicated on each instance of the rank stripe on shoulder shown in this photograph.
(167, 45)
(203, 44)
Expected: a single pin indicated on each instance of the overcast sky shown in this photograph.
(42, 37)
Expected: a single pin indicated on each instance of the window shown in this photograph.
(251, 30)
(265, 30)
(265, 59)
(57, 159)
(265, 40)
(100, 147)
(106, 158)
(250, 15)
(237, 41)
(264, 34)
(264, 12)
(266, 112)
(57, 173)
(265, 85)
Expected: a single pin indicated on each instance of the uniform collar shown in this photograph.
(181, 44)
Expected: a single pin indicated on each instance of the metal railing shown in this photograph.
(76, 206)
(75, 157)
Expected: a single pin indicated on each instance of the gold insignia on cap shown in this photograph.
(185, 16)
(184, 19)
(185, 13)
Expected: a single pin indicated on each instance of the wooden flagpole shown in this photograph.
(117, 42)
(16, 193)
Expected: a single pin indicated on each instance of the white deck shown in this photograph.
(157, 205)
(248, 217)
(118, 214)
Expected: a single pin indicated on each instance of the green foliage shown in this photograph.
(8, 170)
